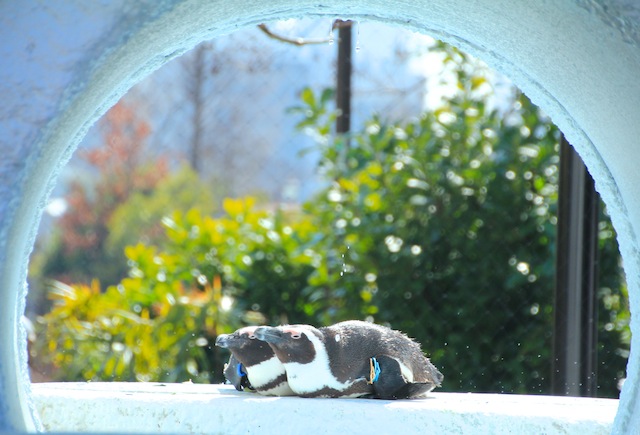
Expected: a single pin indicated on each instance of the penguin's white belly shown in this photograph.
(316, 375)
(266, 372)
(307, 378)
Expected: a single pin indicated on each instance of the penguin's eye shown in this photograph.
(296, 335)
(252, 337)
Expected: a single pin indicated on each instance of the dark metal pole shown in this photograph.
(343, 77)
(574, 364)
(196, 93)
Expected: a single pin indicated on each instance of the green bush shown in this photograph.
(446, 228)
(139, 218)
(446, 225)
(160, 323)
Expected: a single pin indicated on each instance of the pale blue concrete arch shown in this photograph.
(577, 59)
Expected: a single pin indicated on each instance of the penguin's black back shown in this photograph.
(356, 342)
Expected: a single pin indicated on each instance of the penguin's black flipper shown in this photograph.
(387, 379)
(389, 383)
(235, 374)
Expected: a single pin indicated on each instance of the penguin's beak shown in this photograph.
(222, 341)
(269, 334)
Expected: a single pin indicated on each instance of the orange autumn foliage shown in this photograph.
(121, 168)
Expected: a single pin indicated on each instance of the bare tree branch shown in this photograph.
(295, 41)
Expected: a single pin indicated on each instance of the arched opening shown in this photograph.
(401, 250)
(104, 86)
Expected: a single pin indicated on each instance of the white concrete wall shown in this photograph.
(64, 63)
(191, 408)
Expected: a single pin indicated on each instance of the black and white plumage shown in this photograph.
(264, 371)
(235, 375)
(340, 360)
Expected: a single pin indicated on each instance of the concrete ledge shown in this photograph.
(193, 408)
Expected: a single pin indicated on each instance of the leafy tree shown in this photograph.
(444, 228)
(614, 333)
(420, 232)
(79, 252)
(138, 219)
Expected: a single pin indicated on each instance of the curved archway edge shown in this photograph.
(577, 60)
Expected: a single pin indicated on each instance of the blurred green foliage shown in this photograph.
(183, 190)
(443, 227)
(210, 276)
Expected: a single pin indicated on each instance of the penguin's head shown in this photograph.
(240, 338)
(245, 346)
(291, 343)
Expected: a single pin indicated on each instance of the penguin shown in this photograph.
(256, 360)
(235, 375)
(351, 359)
